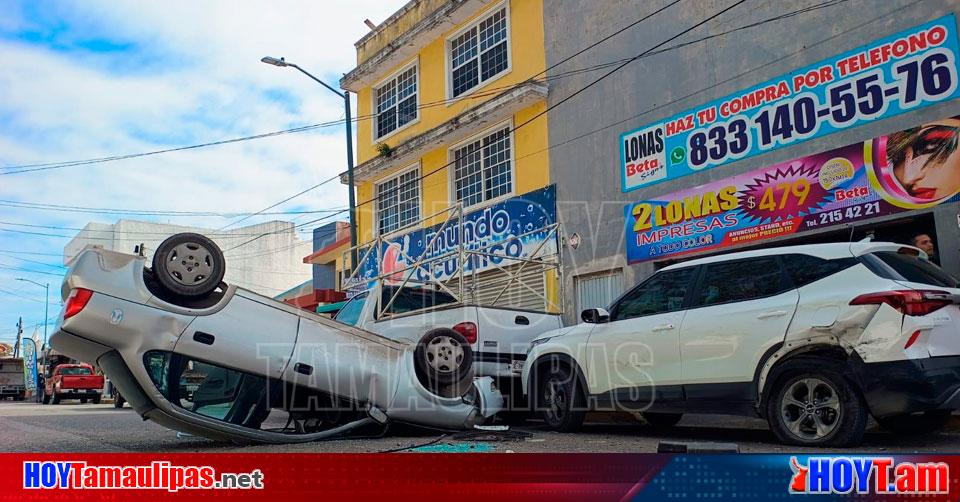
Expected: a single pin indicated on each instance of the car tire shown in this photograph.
(442, 357)
(816, 407)
(662, 420)
(96, 399)
(189, 265)
(56, 399)
(916, 423)
(83, 400)
(559, 399)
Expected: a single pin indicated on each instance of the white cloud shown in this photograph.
(188, 72)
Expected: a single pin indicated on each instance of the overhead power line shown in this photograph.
(29, 271)
(148, 212)
(18, 295)
(620, 64)
(294, 196)
(584, 88)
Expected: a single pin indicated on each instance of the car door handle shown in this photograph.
(204, 338)
(662, 327)
(770, 315)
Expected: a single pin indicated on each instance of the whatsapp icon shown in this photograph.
(677, 155)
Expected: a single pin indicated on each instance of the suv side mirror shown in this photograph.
(595, 316)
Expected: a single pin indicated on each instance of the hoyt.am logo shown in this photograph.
(877, 475)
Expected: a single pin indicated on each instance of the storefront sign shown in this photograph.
(912, 169)
(516, 227)
(903, 72)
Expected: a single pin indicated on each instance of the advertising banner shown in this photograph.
(30, 364)
(912, 169)
(903, 72)
(515, 227)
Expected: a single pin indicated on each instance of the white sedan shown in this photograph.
(197, 355)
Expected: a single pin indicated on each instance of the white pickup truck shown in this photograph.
(499, 337)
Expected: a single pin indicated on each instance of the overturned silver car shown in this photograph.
(199, 356)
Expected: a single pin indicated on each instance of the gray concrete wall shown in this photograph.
(587, 170)
(268, 265)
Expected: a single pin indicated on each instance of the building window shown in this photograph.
(483, 168)
(398, 202)
(479, 53)
(396, 102)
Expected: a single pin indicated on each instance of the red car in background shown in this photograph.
(73, 381)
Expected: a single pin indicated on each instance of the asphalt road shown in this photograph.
(71, 427)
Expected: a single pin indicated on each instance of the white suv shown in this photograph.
(813, 338)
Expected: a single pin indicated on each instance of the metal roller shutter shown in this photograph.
(483, 288)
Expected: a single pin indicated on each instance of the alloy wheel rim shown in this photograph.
(810, 409)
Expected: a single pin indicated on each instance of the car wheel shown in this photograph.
(56, 399)
(559, 399)
(83, 400)
(96, 399)
(118, 401)
(662, 420)
(189, 265)
(917, 423)
(816, 408)
(443, 357)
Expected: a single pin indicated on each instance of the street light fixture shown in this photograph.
(46, 316)
(282, 63)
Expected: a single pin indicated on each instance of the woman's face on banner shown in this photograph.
(925, 177)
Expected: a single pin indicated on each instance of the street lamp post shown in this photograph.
(346, 106)
(46, 316)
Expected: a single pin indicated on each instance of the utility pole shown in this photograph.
(16, 345)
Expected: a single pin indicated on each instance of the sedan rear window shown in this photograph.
(910, 268)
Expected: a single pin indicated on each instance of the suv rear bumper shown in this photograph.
(909, 386)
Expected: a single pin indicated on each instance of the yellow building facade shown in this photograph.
(450, 113)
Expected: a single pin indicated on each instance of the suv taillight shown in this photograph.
(468, 330)
(76, 301)
(908, 301)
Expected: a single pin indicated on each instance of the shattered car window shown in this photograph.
(210, 390)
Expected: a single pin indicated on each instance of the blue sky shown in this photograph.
(87, 79)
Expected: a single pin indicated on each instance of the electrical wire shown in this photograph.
(562, 61)
(583, 89)
(294, 196)
(27, 270)
(147, 212)
(622, 63)
(13, 293)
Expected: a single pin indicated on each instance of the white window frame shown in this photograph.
(376, 207)
(452, 162)
(415, 63)
(448, 70)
